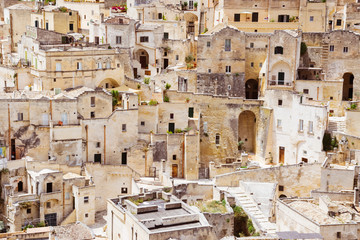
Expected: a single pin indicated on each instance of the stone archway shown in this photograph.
(191, 23)
(108, 83)
(348, 86)
(247, 130)
(251, 89)
(142, 56)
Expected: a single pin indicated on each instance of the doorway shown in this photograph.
(97, 157)
(13, 149)
(49, 187)
(281, 155)
(124, 158)
(143, 62)
(166, 63)
(348, 86)
(171, 127)
(50, 219)
(20, 186)
(174, 170)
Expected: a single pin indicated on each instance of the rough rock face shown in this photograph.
(77, 231)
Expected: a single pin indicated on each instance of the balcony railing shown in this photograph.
(280, 83)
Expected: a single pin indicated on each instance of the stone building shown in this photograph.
(58, 19)
(158, 216)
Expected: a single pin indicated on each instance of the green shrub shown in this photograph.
(167, 86)
(189, 58)
(303, 48)
(178, 130)
(334, 143)
(166, 98)
(353, 106)
(147, 80)
(153, 102)
(327, 142)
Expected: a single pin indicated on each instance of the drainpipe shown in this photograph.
(86, 142)
(183, 157)
(104, 144)
(9, 133)
(63, 195)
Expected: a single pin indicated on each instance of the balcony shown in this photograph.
(280, 83)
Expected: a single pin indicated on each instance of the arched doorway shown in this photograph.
(191, 23)
(20, 186)
(251, 89)
(108, 83)
(143, 57)
(348, 86)
(247, 130)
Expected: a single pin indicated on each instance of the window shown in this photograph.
(191, 112)
(228, 69)
(338, 22)
(165, 54)
(209, 70)
(70, 13)
(28, 211)
(311, 18)
(142, 123)
(123, 127)
(160, 16)
(251, 45)
(278, 50)
(229, 87)
(92, 114)
(227, 45)
(71, 27)
(311, 127)
(47, 26)
(281, 188)
(124, 190)
(124, 158)
(217, 139)
(84, 16)
(139, 16)
(86, 199)
(346, 49)
(252, 64)
(338, 234)
(283, 18)
(255, 17)
(171, 116)
(177, 57)
(306, 91)
(86, 215)
(20, 116)
(118, 39)
(58, 67)
(279, 102)
(92, 12)
(208, 44)
(237, 17)
(108, 65)
(144, 39)
(78, 66)
(166, 35)
(174, 157)
(36, 23)
(260, 64)
(92, 101)
(279, 123)
(301, 125)
(331, 48)
(99, 65)
(97, 157)
(48, 204)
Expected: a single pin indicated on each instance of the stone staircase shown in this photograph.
(337, 124)
(324, 56)
(252, 210)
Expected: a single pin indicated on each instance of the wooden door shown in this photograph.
(174, 170)
(281, 155)
(143, 62)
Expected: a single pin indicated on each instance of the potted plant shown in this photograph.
(185, 5)
(195, 5)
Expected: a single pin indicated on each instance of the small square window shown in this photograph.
(260, 64)
(54, 79)
(92, 101)
(338, 234)
(208, 44)
(86, 215)
(142, 123)
(124, 190)
(209, 70)
(311, 18)
(281, 188)
(338, 22)
(346, 49)
(252, 64)
(123, 127)
(279, 123)
(228, 69)
(97, 144)
(177, 57)
(217, 139)
(28, 211)
(86, 199)
(171, 116)
(331, 98)
(20, 116)
(174, 157)
(279, 102)
(306, 91)
(92, 115)
(331, 48)
(251, 45)
(48, 204)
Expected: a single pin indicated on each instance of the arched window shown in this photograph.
(278, 50)
(108, 64)
(20, 186)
